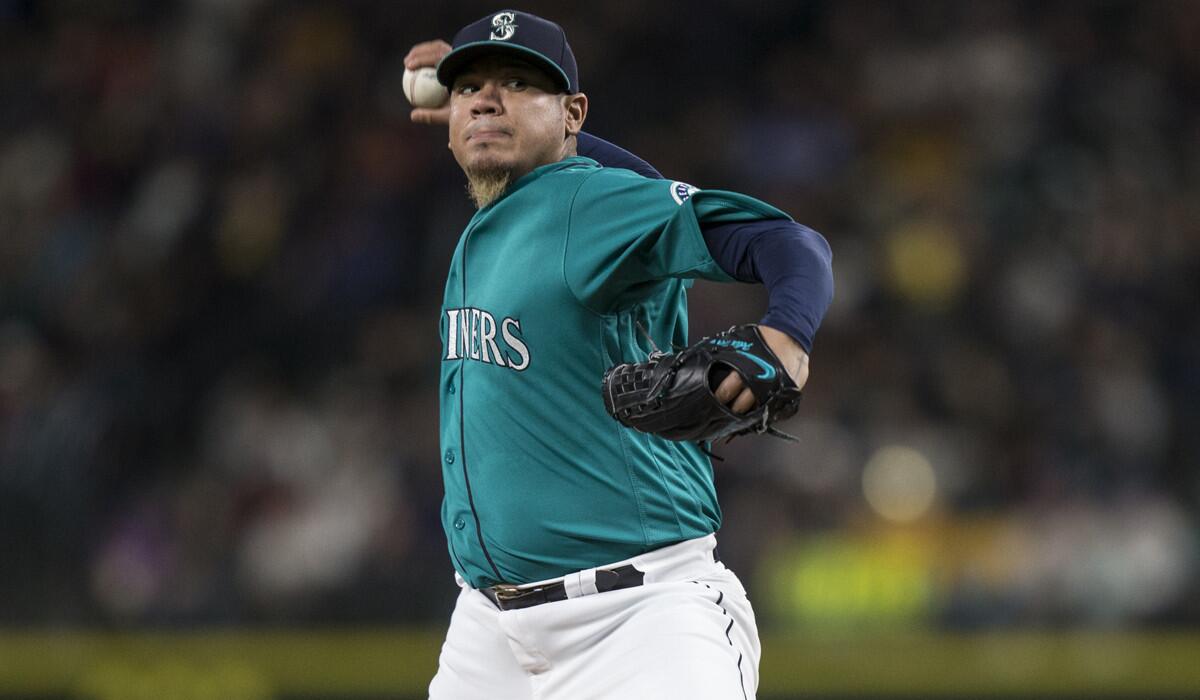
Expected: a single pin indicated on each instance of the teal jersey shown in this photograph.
(546, 290)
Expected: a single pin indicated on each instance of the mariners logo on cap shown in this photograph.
(505, 24)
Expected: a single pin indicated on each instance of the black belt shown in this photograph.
(508, 597)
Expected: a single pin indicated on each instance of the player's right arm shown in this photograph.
(430, 53)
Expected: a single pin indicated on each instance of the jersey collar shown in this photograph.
(541, 171)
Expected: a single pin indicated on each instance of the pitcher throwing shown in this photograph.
(585, 546)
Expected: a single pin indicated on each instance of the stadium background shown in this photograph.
(222, 245)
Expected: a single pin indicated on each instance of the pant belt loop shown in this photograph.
(580, 584)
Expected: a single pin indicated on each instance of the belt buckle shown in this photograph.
(506, 592)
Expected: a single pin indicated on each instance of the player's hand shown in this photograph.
(428, 53)
(733, 393)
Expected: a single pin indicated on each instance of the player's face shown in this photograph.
(506, 115)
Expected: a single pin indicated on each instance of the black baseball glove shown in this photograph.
(671, 395)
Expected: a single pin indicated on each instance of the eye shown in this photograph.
(466, 88)
(515, 84)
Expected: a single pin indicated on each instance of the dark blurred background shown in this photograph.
(222, 249)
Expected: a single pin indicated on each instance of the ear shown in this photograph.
(575, 106)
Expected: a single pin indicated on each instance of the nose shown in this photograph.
(487, 100)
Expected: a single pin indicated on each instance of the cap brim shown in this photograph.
(454, 62)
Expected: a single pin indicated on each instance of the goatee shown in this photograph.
(486, 185)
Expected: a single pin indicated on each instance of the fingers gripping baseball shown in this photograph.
(422, 115)
(428, 54)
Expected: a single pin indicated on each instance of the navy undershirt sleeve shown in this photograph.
(612, 156)
(792, 261)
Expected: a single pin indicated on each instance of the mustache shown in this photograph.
(476, 128)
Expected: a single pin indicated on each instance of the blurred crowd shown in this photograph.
(222, 248)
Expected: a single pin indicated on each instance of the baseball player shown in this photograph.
(584, 549)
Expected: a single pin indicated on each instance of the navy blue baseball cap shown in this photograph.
(539, 41)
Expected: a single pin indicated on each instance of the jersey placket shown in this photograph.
(462, 420)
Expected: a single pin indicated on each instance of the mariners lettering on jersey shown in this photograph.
(474, 334)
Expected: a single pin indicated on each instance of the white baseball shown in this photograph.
(422, 88)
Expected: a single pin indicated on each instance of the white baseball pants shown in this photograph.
(687, 632)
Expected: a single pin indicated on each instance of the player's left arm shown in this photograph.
(792, 261)
(795, 264)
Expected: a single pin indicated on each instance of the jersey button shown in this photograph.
(450, 389)
(460, 524)
(449, 456)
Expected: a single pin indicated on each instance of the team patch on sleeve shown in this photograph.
(681, 192)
